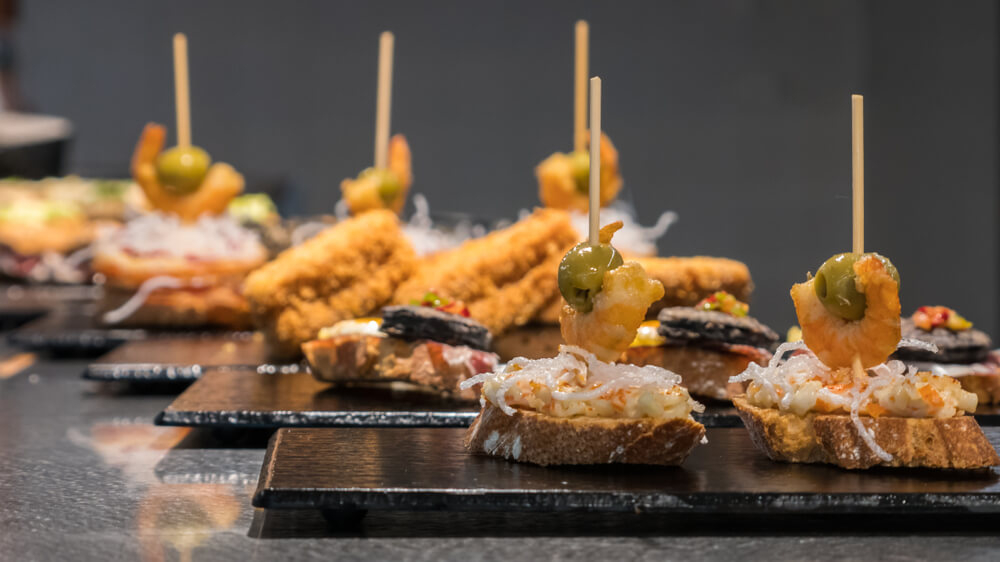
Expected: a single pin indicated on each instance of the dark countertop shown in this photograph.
(84, 475)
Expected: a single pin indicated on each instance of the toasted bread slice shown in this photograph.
(705, 370)
(545, 440)
(363, 358)
(985, 387)
(956, 442)
(221, 306)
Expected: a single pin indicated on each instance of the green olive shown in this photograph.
(182, 169)
(579, 161)
(581, 273)
(837, 289)
(389, 186)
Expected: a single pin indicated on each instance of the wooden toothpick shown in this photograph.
(581, 71)
(182, 100)
(595, 159)
(858, 165)
(383, 100)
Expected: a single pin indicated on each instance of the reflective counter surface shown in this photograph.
(84, 475)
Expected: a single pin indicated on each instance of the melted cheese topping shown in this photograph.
(577, 384)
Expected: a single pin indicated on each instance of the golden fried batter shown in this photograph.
(506, 277)
(685, 281)
(349, 270)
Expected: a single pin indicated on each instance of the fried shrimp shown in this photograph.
(837, 340)
(563, 179)
(605, 322)
(385, 188)
(221, 184)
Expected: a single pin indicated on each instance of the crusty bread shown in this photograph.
(536, 438)
(956, 442)
(705, 371)
(986, 387)
(363, 358)
(220, 306)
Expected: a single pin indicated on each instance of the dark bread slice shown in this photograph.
(956, 442)
(546, 440)
(363, 358)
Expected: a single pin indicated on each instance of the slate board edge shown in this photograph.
(272, 420)
(555, 500)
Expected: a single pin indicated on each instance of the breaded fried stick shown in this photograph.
(505, 278)
(349, 270)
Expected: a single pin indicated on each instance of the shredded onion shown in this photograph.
(164, 235)
(633, 238)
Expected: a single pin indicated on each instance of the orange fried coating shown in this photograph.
(506, 277)
(221, 184)
(349, 270)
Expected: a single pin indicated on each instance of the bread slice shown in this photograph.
(956, 442)
(985, 387)
(546, 440)
(704, 370)
(432, 365)
(221, 306)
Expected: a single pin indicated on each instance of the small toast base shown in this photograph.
(546, 440)
(956, 442)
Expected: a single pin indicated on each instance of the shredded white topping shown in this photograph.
(576, 379)
(427, 239)
(633, 238)
(802, 382)
(136, 301)
(917, 344)
(165, 235)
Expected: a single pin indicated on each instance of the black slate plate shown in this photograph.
(351, 470)
(247, 398)
(75, 329)
(183, 359)
(20, 303)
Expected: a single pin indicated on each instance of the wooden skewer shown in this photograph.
(182, 98)
(581, 72)
(595, 160)
(383, 101)
(858, 164)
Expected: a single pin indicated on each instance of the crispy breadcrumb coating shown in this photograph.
(349, 270)
(506, 277)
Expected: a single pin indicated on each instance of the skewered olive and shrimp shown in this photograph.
(564, 179)
(382, 188)
(182, 180)
(850, 310)
(607, 298)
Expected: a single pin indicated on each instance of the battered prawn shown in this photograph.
(564, 179)
(829, 327)
(221, 183)
(603, 317)
(386, 188)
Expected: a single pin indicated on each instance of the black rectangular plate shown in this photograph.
(77, 330)
(428, 469)
(248, 398)
(183, 359)
(21, 303)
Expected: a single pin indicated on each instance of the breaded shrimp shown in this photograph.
(221, 184)
(559, 179)
(619, 308)
(836, 341)
(366, 192)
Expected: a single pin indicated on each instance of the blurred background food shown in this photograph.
(734, 114)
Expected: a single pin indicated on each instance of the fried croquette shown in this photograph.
(349, 270)
(506, 277)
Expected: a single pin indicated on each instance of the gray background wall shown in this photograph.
(735, 114)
